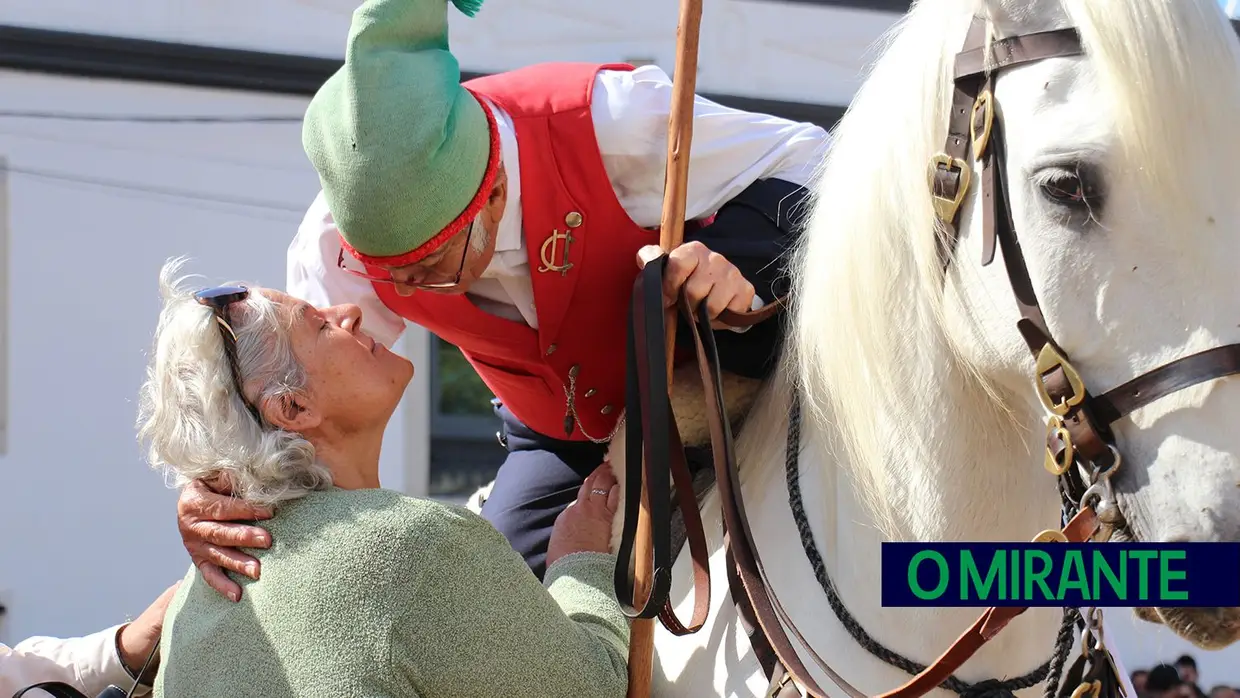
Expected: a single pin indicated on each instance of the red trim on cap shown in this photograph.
(460, 222)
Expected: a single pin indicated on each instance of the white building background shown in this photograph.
(102, 178)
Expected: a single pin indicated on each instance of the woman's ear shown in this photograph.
(291, 412)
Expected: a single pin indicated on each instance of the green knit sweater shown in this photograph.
(369, 593)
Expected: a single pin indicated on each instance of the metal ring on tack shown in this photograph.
(1086, 649)
(1101, 487)
(1114, 464)
(1093, 619)
(1093, 629)
(1101, 490)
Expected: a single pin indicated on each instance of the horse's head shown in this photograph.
(1117, 164)
(1121, 168)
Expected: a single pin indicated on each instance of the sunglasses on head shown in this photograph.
(219, 299)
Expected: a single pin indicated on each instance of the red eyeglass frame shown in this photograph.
(389, 280)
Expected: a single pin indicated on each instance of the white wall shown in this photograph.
(776, 50)
(89, 531)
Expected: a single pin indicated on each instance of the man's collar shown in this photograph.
(508, 237)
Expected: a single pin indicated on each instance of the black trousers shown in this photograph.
(537, 481)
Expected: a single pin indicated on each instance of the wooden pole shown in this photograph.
(671, 234)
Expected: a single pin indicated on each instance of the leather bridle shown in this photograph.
(1078, 423)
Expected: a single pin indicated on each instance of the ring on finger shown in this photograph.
(599, 492)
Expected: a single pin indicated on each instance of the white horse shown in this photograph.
(920, 421)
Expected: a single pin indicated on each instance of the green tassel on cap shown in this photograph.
(469, 8)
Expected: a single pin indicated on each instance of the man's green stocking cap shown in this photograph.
(406, 155)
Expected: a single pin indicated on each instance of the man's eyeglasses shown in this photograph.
(385, 276)
(219, 299)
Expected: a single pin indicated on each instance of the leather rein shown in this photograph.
(1078, 423)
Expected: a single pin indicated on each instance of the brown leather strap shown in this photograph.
(750, 318)
(973, 114)
(653, 451)
(1080, 529)
(695, 535)
(735, 520)
(762, 649)
(998, 225)
(769, 613)
(951, 174)
(1164, 380)
(1014, 50)
(1089, 437)
(1088, 424)
(659, 450)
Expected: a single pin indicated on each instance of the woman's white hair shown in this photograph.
(191, 417)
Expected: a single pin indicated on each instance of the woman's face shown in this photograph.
(354, 382)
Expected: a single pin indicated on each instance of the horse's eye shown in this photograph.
(1073, 188)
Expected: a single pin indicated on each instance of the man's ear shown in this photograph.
(499, 190)
(291, 412)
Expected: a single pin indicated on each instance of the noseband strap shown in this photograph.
(1179, 374)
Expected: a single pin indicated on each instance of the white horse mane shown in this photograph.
(869, 288)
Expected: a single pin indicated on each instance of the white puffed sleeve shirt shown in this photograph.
(89, 664)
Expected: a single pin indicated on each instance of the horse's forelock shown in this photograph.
(1172, 70)
(868, 293)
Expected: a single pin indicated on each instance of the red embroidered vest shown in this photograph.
(579, 347)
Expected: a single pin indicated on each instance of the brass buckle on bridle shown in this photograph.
(1048, 360)
(945, 207)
